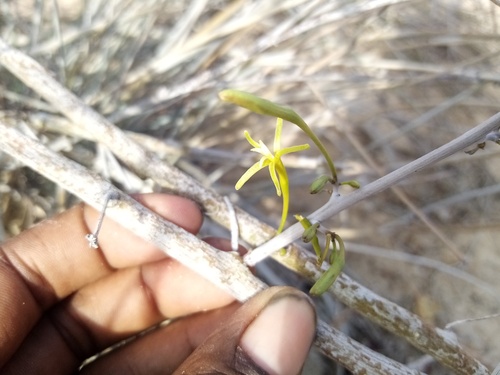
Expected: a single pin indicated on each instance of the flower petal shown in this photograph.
(277, 135)
(274, 177)
(249, 173)
(263, 150)
(283, 177)
(250, 139)
(265, 161)
(289, 150)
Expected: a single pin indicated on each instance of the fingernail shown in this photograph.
(279, 338)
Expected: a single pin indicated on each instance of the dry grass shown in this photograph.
(381, 83)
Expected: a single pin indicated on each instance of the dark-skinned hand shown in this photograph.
(62, 302)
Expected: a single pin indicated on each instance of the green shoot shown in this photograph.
(336, 259)
(314, 241)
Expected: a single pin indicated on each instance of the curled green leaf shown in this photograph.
(328, 278)
(306, 224)
(352, 183)
(310, 233)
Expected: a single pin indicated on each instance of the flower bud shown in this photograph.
(310, 233)
(319, 183)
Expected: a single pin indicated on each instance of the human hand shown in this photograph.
(62, 302)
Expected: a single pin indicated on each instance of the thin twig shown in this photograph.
(234, 229)
(339, 204)
(470, 320)
(449, 201)
(403, 197)
(420, 261)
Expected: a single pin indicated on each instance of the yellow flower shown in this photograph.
(276, 167)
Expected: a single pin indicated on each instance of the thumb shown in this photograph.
(269, 334)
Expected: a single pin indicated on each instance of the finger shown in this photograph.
(178, 291)
(55, 255)
(52, 260)
(131, 300)
(162, 350)
(270, 334)
(124, 251)
(276, 342)
(111, 309)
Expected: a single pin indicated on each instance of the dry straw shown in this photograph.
(382, 83)
(216, 265)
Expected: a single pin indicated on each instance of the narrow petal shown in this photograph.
(248, 174)
(274, 177)
(283, 177)
(289, 150)
(262, 149)
(265, 161)
(250, 139)
(277, 134)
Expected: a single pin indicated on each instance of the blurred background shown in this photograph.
(380, 82)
